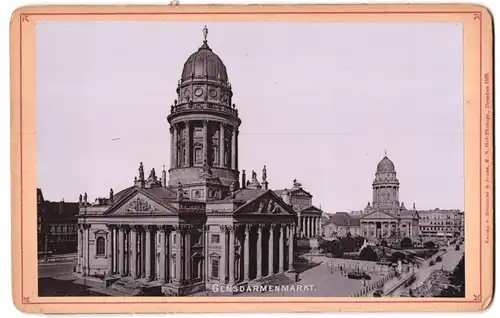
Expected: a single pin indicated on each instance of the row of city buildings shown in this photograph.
(203, 222)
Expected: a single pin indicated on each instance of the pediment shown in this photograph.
(301, 193)
(378, 215)
(266, 204)
(140, 204)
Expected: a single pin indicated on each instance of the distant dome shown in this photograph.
(204, 63)
(386, 165)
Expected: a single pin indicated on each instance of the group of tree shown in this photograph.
(368, 254)
(457, 281)
(337, 248)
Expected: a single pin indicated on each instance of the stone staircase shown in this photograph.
(127, 286)
(276, 280)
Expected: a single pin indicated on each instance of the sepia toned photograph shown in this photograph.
(269, 159)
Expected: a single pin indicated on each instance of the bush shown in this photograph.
(431, 263)
(429, 244)
(396, 256)
(368, 254)
(383, 243)
(378, 293)
(355, 275)
(457, 247)
(406, 243)
(439, 259)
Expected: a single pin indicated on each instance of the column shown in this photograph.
(299, 221)
(290, 248)
(109, 249)
(85, 250)
(168, 249)
(116, 252)
(313, 226)
(187, 254)
(80, 249)
(307, 224)
(205, 141)
(133, 252)
(320, 226)
(173, 274)
(121, 251)
(147, 228)
(259, 252)
(187, 128)
(270, 263)
(178, 256)
(206, 231)
(231, 255)
(282, 251)
(233, 148)
(222, 265)
(175, 148)
(222, 145)
(162, 253)
(246, 250)
(172, 145)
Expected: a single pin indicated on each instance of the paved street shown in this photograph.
(449, 262)
(322, 283)
(58, 279)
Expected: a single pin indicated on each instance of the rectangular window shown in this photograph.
(215, 239)
(175, 238)
(198, 155)
(215, 268)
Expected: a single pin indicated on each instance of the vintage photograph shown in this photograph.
(275, 159)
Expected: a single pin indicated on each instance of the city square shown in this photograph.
(203, 226)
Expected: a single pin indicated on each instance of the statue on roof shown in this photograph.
(80, 199)
(206, 168)
(264, 174)
(232, 189)
(111, 194)
(254, 176)
(152, 174)
(180, 192)
(296, 184)
(85, 197)
(141, 172)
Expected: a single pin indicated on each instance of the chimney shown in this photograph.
(243, 179)
(164, 177)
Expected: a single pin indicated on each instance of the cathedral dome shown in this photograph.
(385, 165)
(204, 63)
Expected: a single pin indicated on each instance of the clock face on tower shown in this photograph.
(198, 91)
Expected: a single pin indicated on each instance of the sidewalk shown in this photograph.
(57, 258)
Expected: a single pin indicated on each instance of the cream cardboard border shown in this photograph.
(478, 175)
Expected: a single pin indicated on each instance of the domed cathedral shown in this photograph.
(387, 219)
(203, 227)
(204, 126)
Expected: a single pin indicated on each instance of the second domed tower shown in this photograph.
(204, 122)
(386, 186)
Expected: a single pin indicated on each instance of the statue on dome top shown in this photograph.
(141, 172)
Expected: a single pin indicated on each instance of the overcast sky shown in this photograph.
(319, 102)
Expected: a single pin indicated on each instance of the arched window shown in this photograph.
(100, 246)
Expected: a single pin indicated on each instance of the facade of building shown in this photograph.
(206, 224)
(309, 218)
(56, 226)
(441, 224)
(383, 219)
(342, 224)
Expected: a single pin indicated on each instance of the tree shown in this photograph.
(368, 254)
(429, 244)
(383, 243)
(406, 243)
(396, 256)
